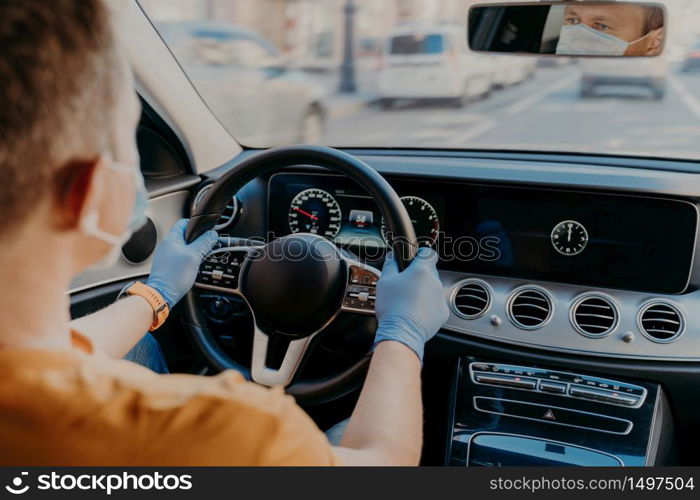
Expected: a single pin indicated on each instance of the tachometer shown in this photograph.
(315, 211)
(424, 218)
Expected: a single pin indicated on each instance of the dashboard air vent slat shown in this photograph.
(471, 300)
(661, 322)
(594, 316)
(530, 309)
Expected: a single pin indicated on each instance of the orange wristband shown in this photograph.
(154, 299)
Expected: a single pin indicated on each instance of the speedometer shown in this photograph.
(315, 211)
(424, 218)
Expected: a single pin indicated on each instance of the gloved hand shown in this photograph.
(411, 305)
(175, 264)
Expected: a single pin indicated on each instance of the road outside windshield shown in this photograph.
(397, 73)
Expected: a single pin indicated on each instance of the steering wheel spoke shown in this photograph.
(275, 359)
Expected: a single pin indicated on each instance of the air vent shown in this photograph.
(529, 308)
(472, 299)
(594, 316)
(661, 322)
(229, 214)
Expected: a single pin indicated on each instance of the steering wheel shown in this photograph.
(295, 285)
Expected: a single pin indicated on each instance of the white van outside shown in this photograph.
(432, 62)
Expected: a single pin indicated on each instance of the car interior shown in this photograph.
(571, 277)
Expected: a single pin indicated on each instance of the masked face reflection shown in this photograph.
(611, 30)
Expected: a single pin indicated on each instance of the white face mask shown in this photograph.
(582, 40)
(91, 223)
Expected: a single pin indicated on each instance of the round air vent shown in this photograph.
(471, 299)
(529, 308)
(142, 244)
(661, 322)
(230, 213)
(594, 316)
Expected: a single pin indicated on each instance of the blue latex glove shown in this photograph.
(411, 305)
(175, 264)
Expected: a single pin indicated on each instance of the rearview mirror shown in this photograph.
(579, 28)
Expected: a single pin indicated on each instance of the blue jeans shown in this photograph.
(149, 354)
(335, 433)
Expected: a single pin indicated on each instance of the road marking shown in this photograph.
(533, 99)
(519, 107)
(689, 99)
(474, 132)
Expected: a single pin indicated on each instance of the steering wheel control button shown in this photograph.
(361, 291)
(564, 384)
(362, 276)
(221, 268)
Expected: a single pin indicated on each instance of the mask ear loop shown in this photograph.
(91, 227)
(640, 39)
(91, 223)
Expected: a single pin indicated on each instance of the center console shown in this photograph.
(504, 415)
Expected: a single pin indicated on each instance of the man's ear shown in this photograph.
(78, 186)
(656, 42)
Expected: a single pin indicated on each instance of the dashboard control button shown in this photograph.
(564, 384)
(552, 387)
(603, 395)
(506, 381)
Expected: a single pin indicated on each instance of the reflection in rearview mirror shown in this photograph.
(581, 28)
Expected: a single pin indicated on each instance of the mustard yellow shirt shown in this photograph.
(83, 408)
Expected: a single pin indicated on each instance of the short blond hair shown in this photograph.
(654, 19)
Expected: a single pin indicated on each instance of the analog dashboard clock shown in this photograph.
(569, 238)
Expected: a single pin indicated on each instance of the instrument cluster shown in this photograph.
(336, 209)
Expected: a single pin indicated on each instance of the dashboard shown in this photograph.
(613, 241)
(554, 254)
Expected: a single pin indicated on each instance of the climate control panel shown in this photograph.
(564, 384)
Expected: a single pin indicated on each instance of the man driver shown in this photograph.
(71, 194)
(612, 30)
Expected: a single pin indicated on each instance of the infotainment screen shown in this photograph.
(592, 239)
(614, 241)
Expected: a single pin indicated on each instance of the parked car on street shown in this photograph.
(245, 77)
(624, 75)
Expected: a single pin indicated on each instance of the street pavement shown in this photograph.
(545, 112)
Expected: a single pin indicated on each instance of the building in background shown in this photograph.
(310, 32)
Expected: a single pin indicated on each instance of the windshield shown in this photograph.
(396, 73)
